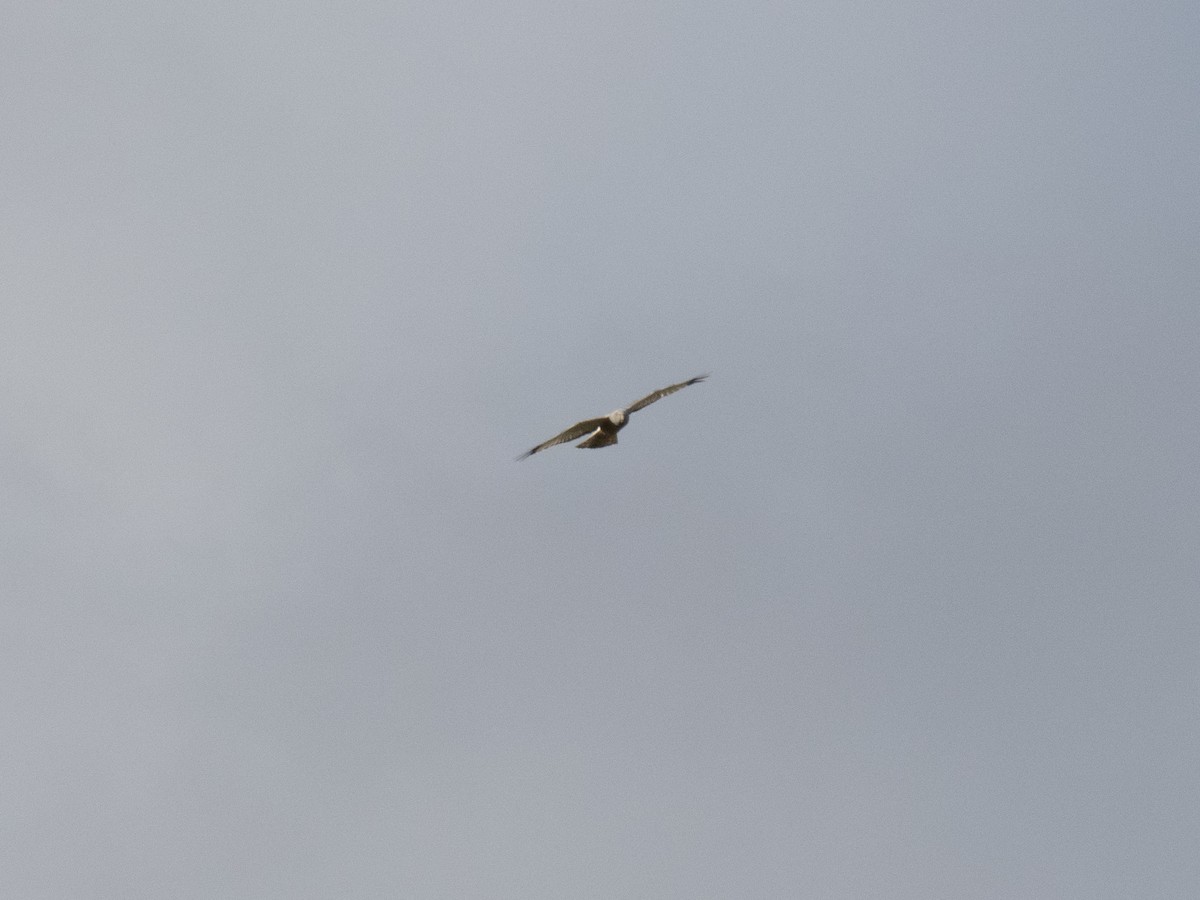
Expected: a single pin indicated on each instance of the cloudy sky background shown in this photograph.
(901, 603)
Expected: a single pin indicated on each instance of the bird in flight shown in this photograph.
(602, 432)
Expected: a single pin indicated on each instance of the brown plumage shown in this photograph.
(602, 432)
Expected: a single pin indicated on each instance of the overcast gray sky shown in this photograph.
(901, 603)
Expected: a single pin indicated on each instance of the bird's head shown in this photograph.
(617, 417)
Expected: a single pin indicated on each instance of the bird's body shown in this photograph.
(602, 432)
(605, 434)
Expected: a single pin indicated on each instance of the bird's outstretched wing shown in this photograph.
(659, 394)
(579, 429)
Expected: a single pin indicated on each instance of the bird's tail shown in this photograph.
(597, 439)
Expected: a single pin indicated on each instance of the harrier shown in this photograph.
(602, 432)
